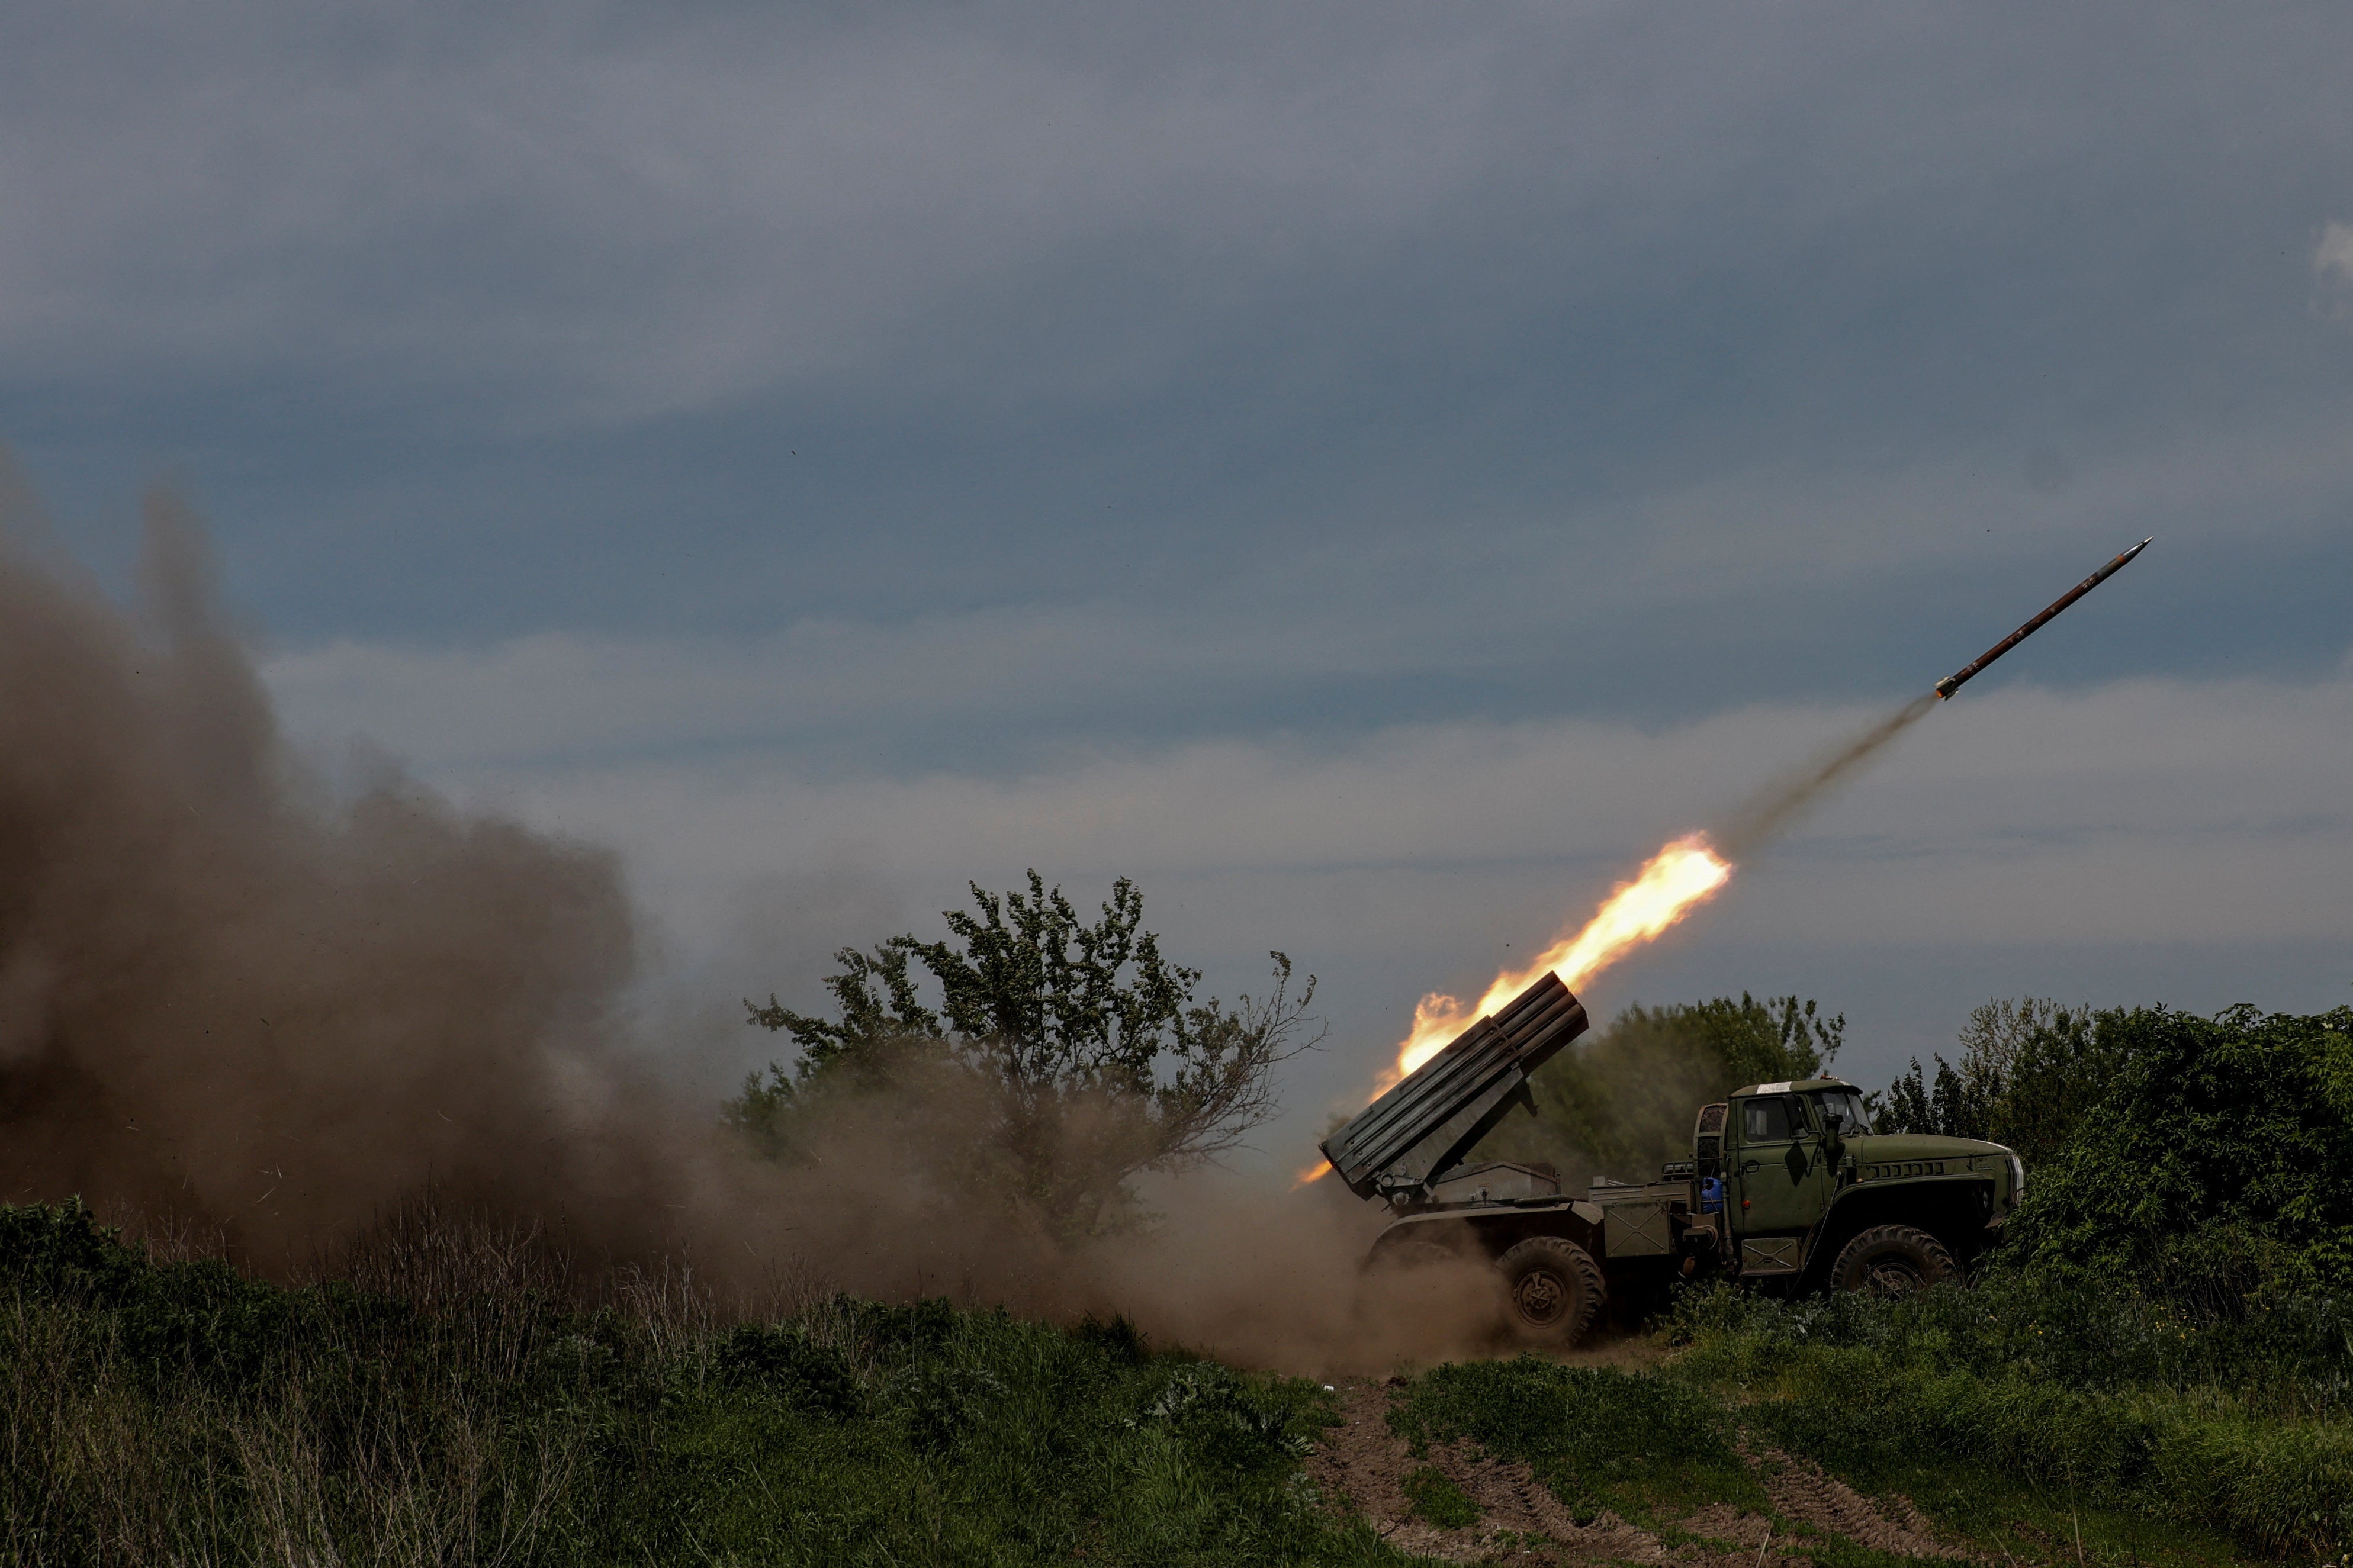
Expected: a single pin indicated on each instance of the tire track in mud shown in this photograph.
(1804, 1492)
(1361, 1465)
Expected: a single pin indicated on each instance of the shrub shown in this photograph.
(2217, 1172)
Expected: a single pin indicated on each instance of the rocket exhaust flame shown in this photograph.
(1689, 870)
(1676, 880)
(1684, 874)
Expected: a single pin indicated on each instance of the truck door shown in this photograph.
(1780, 1181)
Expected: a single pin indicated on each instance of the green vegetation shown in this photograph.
(1647, 1447)
(1074, 1055)
(2156, 1368)
(1621, 1101)
(2216, 1170)
(181, 1413)
(1859, 1389)
(2157, 1359)
(2014, 1395)
(2031, 1070)
(1438, 1500)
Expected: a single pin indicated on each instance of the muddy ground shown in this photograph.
(1362, 1466)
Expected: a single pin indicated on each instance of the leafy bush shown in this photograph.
(1622, 1101)
(2216, 1173)
(2030, 1071)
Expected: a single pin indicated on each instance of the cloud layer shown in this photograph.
(1372, 473)
(2020, 839)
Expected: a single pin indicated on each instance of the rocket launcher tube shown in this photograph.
(1406, 1141)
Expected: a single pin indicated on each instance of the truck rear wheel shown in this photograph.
(1893, 1261)
(1552, 1290)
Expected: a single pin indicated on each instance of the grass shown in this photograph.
(2095, 1428)
(457, 1397)
(1656, 1446)
(2236, 1429)
(1438, 1500)
(1649, 1449)
(458, 1405)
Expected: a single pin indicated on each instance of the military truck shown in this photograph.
(1788, 1188)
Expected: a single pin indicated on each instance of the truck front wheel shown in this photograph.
(1894, 1261)
(1552, 1290)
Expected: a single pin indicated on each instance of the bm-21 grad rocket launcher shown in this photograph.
(1788, 1187)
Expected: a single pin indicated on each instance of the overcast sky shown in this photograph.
(1369, 472)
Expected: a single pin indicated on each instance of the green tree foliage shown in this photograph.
(2217, 1169)
(2030, 1072)
(1622, 1101)
(1093, 1056)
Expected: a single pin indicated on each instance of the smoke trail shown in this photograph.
(1776, 808)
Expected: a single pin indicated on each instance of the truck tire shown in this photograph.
(1552, 1290)
(1893, 1261)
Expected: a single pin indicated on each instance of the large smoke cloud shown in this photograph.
(227, 997)
(237, 999)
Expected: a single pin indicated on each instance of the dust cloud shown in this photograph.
(238, 1003)
(228, 997)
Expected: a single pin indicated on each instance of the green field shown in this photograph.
(180, 1412)
(2154, 1367)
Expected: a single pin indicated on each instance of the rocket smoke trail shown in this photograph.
(1776, 808)
(1689, 870)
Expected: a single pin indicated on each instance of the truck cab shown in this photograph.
(1810, 1194)
(1788, 1187)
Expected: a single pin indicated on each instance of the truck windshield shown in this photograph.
(1846, 1104)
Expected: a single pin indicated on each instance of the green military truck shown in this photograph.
(1787, 1188)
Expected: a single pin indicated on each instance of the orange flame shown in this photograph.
(1678, 877)
(1314, 1173)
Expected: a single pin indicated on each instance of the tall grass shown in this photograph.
(456, 1396)
(1647, 1447)
(2238, 1424)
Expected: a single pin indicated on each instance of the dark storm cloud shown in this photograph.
(662, 412)
(1717, 219)
(1540, 324)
